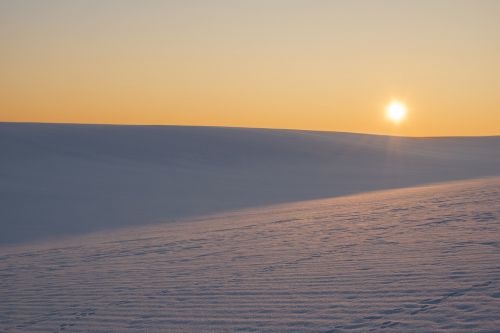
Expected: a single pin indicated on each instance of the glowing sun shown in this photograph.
(395, 111)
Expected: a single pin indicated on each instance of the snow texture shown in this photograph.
(422, 259)
(71, 179)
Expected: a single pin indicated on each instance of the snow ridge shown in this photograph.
(71, 179)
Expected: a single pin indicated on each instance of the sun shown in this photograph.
(395, 111)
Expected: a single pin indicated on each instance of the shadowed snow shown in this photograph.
(72, 179)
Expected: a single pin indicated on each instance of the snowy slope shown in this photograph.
(72, 179)
(411, 260)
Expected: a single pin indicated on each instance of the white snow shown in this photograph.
(60, 180)
(423, 259)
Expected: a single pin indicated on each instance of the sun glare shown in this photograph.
(395, 111)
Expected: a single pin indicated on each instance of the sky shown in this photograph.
(310, 64)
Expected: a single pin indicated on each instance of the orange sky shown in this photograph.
(312, 64)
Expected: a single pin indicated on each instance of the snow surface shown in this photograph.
(423, 259)
(71, 179)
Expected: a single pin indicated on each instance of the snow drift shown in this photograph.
(69, 179)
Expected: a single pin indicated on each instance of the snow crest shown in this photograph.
(60, 180)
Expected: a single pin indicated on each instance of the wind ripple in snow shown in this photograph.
(418, 259)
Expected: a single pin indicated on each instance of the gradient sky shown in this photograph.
(311, 64)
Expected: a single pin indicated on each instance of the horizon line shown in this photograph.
(248, 127)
